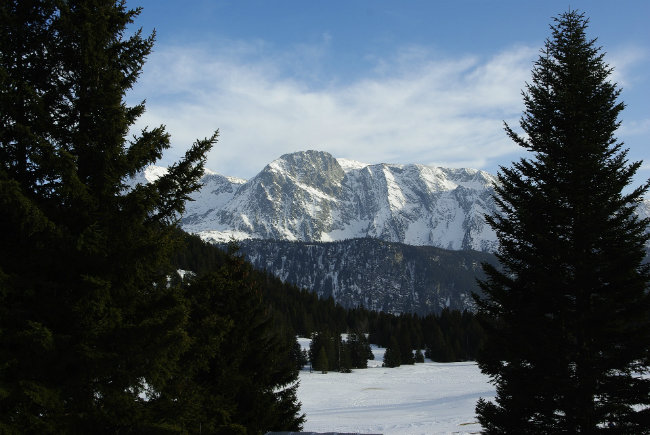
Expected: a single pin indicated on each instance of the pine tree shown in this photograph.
(405, 346)
(298, 356)
(436, 345)
(315, 346)
(567, 316)
(345, 357)
(88, 320)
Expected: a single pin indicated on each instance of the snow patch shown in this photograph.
(349, 165)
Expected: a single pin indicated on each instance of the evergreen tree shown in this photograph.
(298, 356)
(345, 357)
(406, 349)
(322, 362)
(436, 344)
(328, 343)
(567, 318)
(318, 344)
(239, 372)
(87, 317)
(392, 356)
(360, 351)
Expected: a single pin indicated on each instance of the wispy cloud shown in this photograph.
(636, 128)
(414, 106)
(626, 62)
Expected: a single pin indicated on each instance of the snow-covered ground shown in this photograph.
(429, 398)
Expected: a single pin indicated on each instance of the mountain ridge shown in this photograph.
(312, 196)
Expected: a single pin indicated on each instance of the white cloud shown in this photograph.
(636, 128)
(415, 107)
(625, 60)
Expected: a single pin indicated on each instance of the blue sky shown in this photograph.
(427, 82)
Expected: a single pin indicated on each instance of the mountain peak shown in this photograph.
(304, 162)
(316, 169)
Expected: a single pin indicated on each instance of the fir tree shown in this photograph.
(298, 356)
(87, 318)
(345, 357)
(437, 348)
(406, 349)
(567, 318)
(315, 346)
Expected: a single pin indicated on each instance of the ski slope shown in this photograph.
(429, 398)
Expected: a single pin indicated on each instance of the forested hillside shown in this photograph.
(379, 275)
(450, 335)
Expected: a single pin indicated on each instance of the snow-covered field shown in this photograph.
(429, 398)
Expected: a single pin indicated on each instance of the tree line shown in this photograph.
(329, 352)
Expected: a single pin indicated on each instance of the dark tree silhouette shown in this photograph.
(567, 318)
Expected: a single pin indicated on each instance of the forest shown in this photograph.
(449, 336)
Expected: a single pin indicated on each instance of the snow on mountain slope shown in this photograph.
(643, 209)
(311, 196)
(150, 174)
(216, 193)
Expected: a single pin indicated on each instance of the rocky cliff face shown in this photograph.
(311, 196)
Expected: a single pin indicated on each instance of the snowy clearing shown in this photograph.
(429, 398)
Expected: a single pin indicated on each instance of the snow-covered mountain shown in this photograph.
(312, 196)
